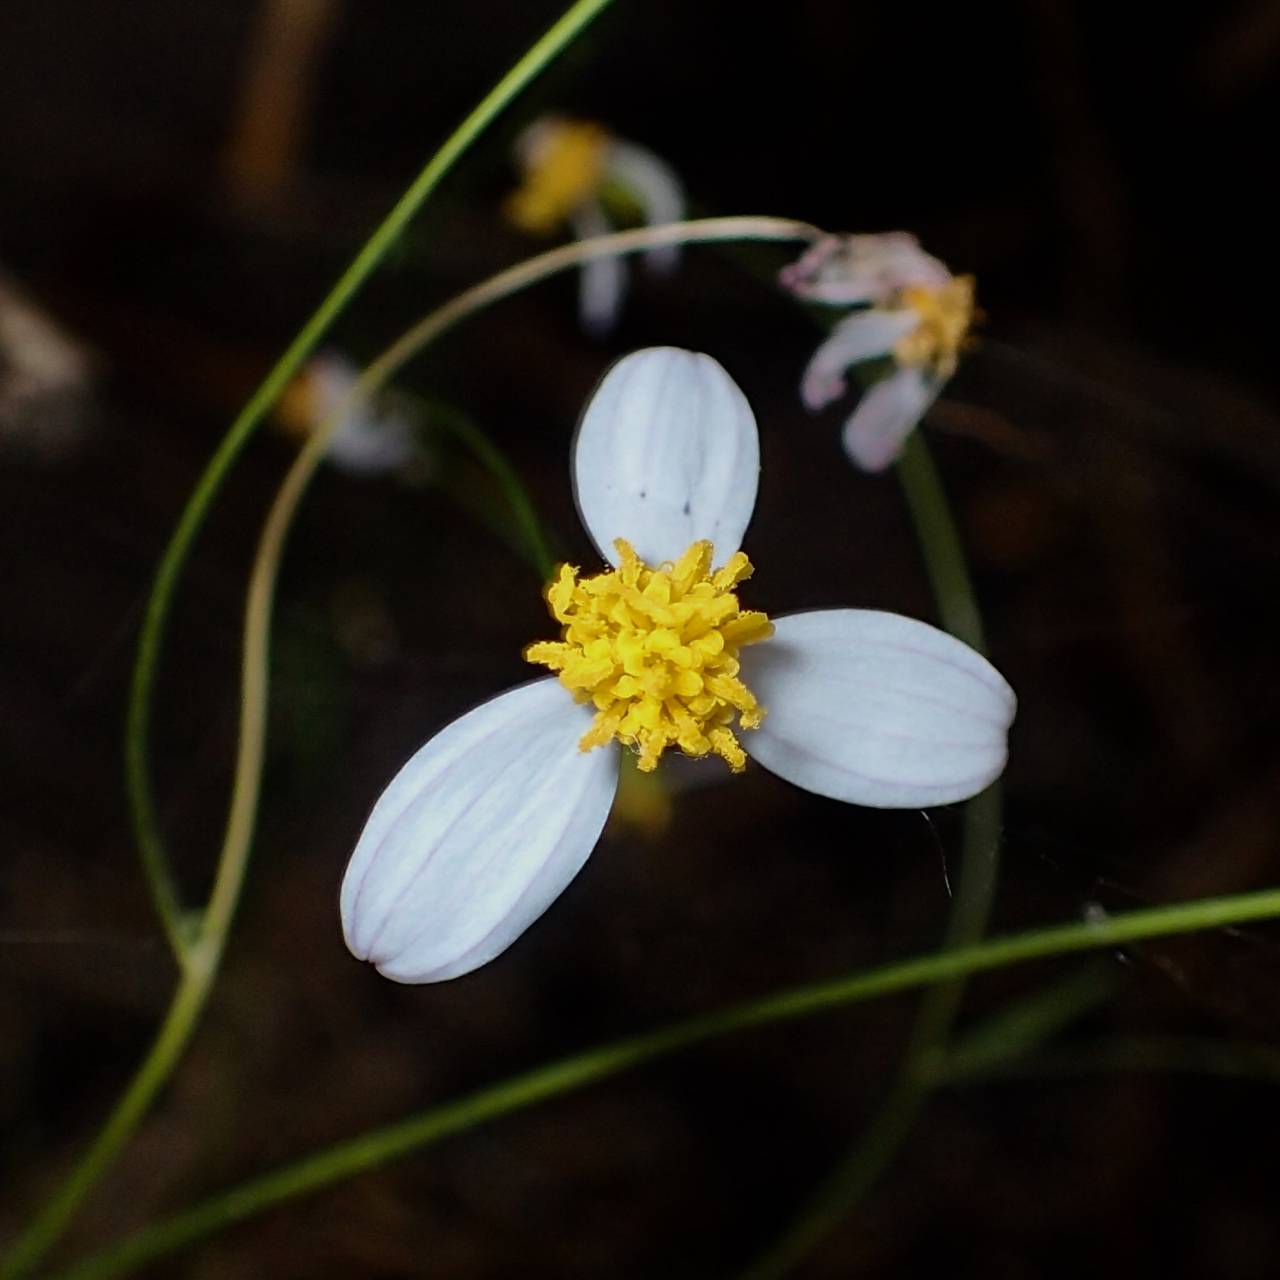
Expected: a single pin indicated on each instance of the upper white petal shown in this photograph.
(602, 282)
(476, 836)
(859, 336)
(876, 709)
(653, 182)
(666, 454)
(886, 415)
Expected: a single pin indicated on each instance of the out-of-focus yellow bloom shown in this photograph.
(943, 317)
(564, 165)
(920, 316)
(571, 171)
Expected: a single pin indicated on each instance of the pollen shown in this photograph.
(655, 650)
(945, 315)
(564, 167)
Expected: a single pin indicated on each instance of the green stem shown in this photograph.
(861, 1168)
(170, 1040)
(159, 874)
(532, 538)
(202, 959)
(199, 956)
(940, 543)
(928, 1066)
(1166, 1055)
(1025, 1024)
(378, 1146)
(943, 554)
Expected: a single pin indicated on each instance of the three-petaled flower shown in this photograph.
(571, 168)
(919, 316)
(486, 825)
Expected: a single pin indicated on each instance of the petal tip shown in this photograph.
(475, 837)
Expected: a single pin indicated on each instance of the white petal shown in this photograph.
(876, 709)
(477, 835)
(366, 444)
(367, 441)
(666, 454)
(653, 182)
(886, 415)
(859, 336)
(602, 282)
(848, 269)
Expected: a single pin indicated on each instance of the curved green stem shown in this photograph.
(1022, 1026)
(167, 1047)
(940, 543)
(346, 1159)
(199, 951)
(861, 1168)
(957, 601)
(1165, 1055)
(533, 540)
(155, 863)
(201, 958)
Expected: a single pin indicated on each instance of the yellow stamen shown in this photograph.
(564, 167)
(945, 315)
(655, 651)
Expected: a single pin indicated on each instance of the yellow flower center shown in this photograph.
(945, 315)
(656, 651)
(565, 167)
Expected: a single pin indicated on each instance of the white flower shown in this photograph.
(46, 381)
(569, 167)
(494, 816)
(368, 441)
(920, 316)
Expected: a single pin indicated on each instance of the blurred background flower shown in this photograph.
(917, 324)
(576, 172)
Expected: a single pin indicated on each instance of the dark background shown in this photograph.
(1113, 450)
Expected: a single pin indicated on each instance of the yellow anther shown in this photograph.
(564, 167)
(945, 315)
(655, 651)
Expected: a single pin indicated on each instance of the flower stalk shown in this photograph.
(198, 946)
(155, 863)
(346, 1159)
(850, 1181)
(200, 958)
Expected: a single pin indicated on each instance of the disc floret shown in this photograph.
(565, 163)
(656, 651)
(945, 314)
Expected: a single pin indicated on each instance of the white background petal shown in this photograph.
(876, 709)
(845, 270)
(859, 336)
(367, 441)
(666, 453)
(653, 183)
(886, 415)
(477, 835)
(602, 283)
